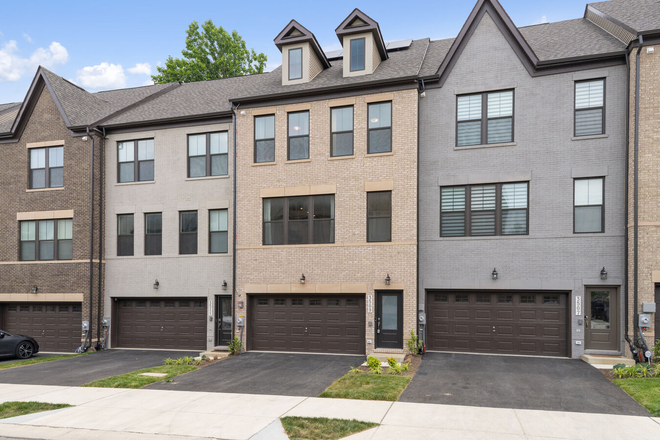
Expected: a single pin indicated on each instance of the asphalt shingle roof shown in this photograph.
(641, 15)
(435, 54)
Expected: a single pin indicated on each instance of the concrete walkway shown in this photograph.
(103, 413)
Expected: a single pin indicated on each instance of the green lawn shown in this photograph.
(134, 380)
(38, 360)
(13, 409)
(644, 391)
(320, 428)
(367, 387)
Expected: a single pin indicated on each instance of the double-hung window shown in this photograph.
(207, 154)
(295, 63)
(484, 210)
(589, 107)
(153, 233)
(299, 135)
(45, 240)
(379, 216)
(125, 235)
(218, 238)
(299, 220)
(46, 167)
(187, 232)
(264, 139)
(380, 128)
(130, 169)
(484, 118)
(589, 205)
(341, 128)
(357, 54)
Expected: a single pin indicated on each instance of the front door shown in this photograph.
(223, 320)
(389, 320)
(601, 320)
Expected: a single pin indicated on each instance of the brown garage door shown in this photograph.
(315, 324)
(173, 323)
(56, 327)
(527, 323)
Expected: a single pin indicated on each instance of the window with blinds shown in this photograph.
(484, 118)
(590, 107)
(589, 205)
(484, 210)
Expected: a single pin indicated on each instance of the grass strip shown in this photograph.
(37, 360)
(367, 387)
(645, 391)
(15, 409)
(320, 428)
(134, 380)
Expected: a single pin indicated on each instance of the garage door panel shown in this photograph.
(56, 327)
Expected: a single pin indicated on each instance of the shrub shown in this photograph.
(235, 347)
(169, 361)
(374, 365)
(354, 370)
(188, 360)
(413, 343)
(619, 372)
(391, 362)
(643, 370)
(631, 371)
(655, 356)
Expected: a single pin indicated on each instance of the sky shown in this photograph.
(117, 44)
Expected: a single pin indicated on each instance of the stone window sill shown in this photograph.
(298, 161)
(148, 182)
(586, 138)
(263, 164)
(193, 179)
(44, 189)
(341, 157)
(391, 153)
(475, 147)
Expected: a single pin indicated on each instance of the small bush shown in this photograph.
(188, 360)
(354, 370)
(619, 372)
(655, 356)
(169, 361)
(235, 346)
(643, 370)
(631, 371)
(391, 362)
(374, 365)
(179, 361)
(413, 343)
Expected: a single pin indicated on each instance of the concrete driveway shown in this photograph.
(80, 370)
(517, 382)
(266, 373)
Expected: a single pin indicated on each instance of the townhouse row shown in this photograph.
(492, 193)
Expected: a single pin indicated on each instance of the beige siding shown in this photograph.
(315, 66)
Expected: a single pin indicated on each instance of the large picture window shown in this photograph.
(264, 139)
(299, 135)
(207, 154)
(218, 237)
(589, 206)
(484, 118)
(589, 107)
(341, 131)
(299, 220)
(46, 167)
(379, 216)
(45, 240)
(380, 128)
(135, 161)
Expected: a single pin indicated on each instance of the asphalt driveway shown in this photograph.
(266, 373)
(517, 382)
(79, 370)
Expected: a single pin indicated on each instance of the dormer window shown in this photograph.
(295, 64)
(357, 54)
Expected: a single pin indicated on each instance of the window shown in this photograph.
(357, 54)
(125, 235)
(288, 220)
(264, 139)
(380, 128)
(589, 107)
(295, 63)
(188, 232)
(47, 167)
(588, 206)
(494, 108)
(484, 210)
(131, 170)
(153, 230)
(379, 216)
(218, 236)
(298, 135)
(45, 240)
(207, 154)
(341, 131)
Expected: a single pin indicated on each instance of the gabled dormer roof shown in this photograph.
(294, 33)
(358, 22)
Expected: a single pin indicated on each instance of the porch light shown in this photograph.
(35, 289)
(224, 285)
(302, 279)
(387, 280)
(603, 274)
(156, 284)
(494, 274)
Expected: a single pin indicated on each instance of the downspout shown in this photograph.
(83, 348)
(101, 223)
(421, 328)
(233, 266)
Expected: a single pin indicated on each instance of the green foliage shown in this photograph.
(619, 372)
(302, 428)
(374, 365)
(619, 366)
(631, 371)
(413, 343)
(235, 346)
(643, 370)
(354, 370)
(14, 409)
(38, 360)
(655, 356)
(367, 387)
(188, 360)
(391, 362)
(644, 391)
(169, 361)
(135, 380)
(210, 53)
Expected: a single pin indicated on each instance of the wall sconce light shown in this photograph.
(302, 279)
(603, 274)
(224, 285)
(156, 284)
(387, 280)
(35, 289)
(494, 274)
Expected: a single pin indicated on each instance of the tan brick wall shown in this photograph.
(350, 259)
(649, 185)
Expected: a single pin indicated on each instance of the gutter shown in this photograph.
(101, 223)
(235, 210)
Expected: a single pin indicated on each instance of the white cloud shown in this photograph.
(28, 38)
(102, 76)
(140, 69)
(542, 20)
(148, 82)
(13, 66)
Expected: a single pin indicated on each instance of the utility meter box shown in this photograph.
(648, 307)
(105, 322)
(85, 326)
(422, 318)
(240, 321)
(644, 320)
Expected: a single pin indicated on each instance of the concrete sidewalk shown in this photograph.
(104, 413)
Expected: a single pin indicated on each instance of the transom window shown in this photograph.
(484, 117)
(341, 131)
(218, 238)
(125, 235)
(207, 154)
(153, 230)
(380, 128)
(264, 139)
(295, 64)
(299, 220)
(379, 216)
(589, 205)
(357, 54)
(298, 136)
(46, 240)
(130, 169)
(482, 210)
(589, 107)
(46, 167)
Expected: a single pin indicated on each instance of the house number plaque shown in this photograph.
(578, 306)
(370, 304)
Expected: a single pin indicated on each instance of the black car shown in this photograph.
(20, 346)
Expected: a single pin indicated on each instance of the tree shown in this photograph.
(211, 53)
